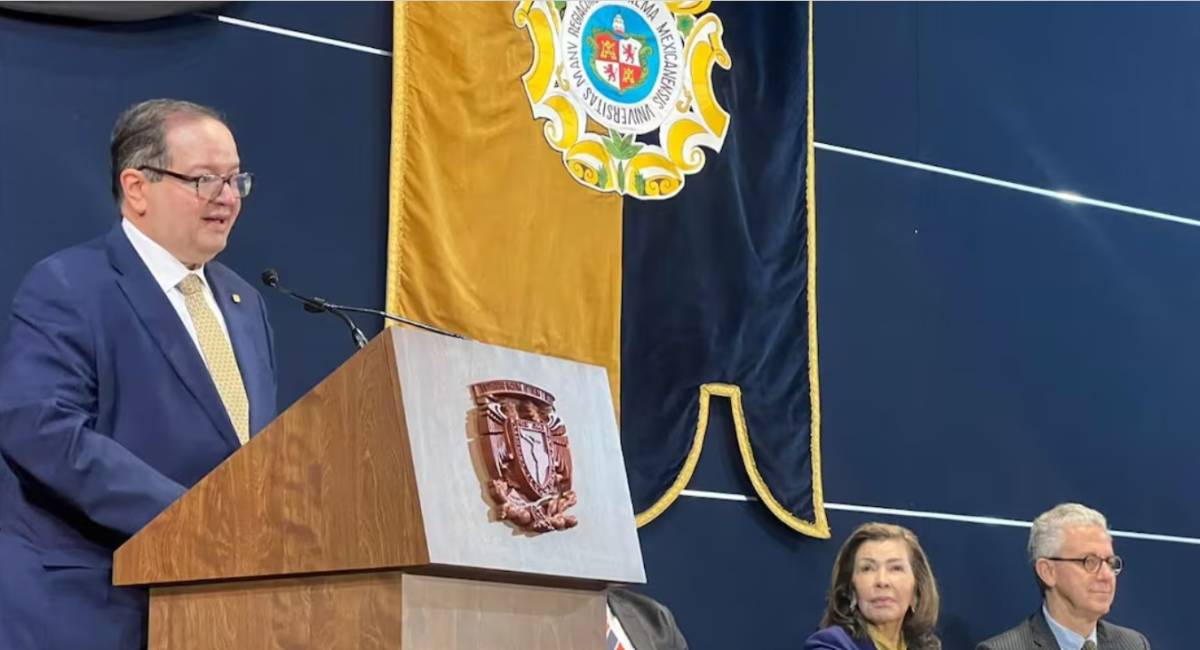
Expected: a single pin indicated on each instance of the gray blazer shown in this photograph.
(1034, 633)
(648, 623)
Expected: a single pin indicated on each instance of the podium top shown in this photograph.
(421, 452)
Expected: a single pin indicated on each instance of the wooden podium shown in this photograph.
(364, 516)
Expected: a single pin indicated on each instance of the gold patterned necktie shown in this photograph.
(1089, 645)
(218, 356)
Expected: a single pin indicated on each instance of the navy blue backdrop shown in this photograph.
(985, 351)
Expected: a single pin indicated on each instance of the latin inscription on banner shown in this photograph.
(631, 68)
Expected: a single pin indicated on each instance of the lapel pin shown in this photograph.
(237, 299)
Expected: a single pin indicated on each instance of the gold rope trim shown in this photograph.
(689, 464)
(814, 367)
(398, 153)
(819, 527)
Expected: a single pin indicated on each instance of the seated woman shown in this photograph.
(883, 595)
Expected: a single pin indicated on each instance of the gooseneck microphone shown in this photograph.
(270, 277)
(316, 305)
(389, 316)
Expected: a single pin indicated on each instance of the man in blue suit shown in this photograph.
(135, 364)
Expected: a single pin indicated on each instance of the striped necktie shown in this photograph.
(218, 356)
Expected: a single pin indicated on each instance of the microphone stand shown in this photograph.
(388, 316)
(316, 305)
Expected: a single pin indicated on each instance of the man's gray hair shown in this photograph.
(1046, 535)
(139, 138)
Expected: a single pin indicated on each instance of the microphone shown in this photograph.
(387, 315)
(270, 277)
(316, 305)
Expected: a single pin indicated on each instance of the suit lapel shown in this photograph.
(631, 623)
(162, 322)
(1040, 630)
(1105, 640)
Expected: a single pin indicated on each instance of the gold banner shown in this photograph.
(488, 236)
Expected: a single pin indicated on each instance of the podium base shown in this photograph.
(369, 611)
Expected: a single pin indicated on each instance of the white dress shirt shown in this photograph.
(168, 272)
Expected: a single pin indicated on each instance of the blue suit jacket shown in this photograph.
(836, 638)
(107, 415)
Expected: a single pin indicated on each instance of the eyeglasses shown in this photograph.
(1091, 563)
(210, 186)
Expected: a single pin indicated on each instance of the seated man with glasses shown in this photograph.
(135, 364)
(1073, 562)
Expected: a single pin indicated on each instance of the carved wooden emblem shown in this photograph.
(527, 454)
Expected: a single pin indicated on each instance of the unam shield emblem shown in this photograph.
(527, 455)
(626, 68)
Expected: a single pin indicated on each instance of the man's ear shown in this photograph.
(1045, 571)
(134, 186)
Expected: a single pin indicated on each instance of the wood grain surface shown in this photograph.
(375, 611)
(328, 486)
